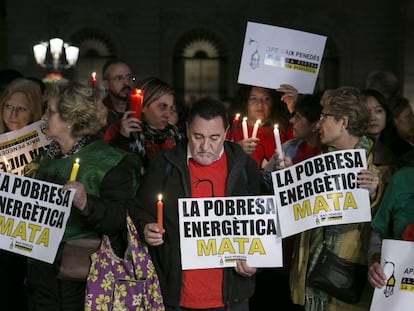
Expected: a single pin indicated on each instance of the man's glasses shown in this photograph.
(127, 78)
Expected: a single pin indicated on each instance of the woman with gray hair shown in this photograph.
(342, 125)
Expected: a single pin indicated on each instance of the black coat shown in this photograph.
(168, 174)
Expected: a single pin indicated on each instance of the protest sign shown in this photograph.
(20, 147)
(321, 191)
(274, 55)
(215, 232)
(398, 292)
(33, 216)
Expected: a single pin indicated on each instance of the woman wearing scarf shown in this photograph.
(105, 187)
(153, 132)
(342, 125)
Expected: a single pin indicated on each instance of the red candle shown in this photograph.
(93, 80)
(135, 102)
(160, 206)
(233, 127)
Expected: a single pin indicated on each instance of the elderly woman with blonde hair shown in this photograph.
(105, 187)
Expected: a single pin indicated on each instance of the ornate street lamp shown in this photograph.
(57, 48)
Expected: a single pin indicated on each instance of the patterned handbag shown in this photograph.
(130, 283)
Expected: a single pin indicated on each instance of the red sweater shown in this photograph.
(202, 288)
(266, 145)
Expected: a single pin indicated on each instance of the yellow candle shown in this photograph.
(75, 169)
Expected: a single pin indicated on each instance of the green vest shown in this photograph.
(95, 161)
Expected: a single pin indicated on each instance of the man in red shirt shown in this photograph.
(205, 166)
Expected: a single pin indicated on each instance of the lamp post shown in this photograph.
(57, 47)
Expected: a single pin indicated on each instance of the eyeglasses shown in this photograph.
(49, 112)
(120, 78)
(13, 109)
(297, 115)
(325, 115)
(257, 101)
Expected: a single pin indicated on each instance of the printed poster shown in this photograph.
(274, 55)
(397, 261)
(18, 148)
(33, 216)
(215, 232)
(321, 191)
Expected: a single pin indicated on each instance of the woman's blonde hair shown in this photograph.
(154, 88)
(33, 94)
(78, 105)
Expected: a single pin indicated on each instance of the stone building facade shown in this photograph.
(158, 37)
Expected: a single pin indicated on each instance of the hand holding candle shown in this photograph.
(135, 102)
(278, 144)
(160, 207)
(244, 127)
(255, 128)
(75, 169)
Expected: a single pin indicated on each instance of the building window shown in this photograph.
(199, 67)
(95, 48)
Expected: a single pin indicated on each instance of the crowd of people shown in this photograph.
(199, 150)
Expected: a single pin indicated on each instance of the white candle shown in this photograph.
(244, 127)
(255, 128)
(278, 144)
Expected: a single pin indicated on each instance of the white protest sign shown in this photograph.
(397, 261)
(215, 232)
(33, 216)
(18, 148)
(321, 191)
(274, 55)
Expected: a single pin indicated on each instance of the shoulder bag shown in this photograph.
(76, 258)
(129, 283)
(338, 277)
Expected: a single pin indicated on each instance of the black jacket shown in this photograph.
(168, 174)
